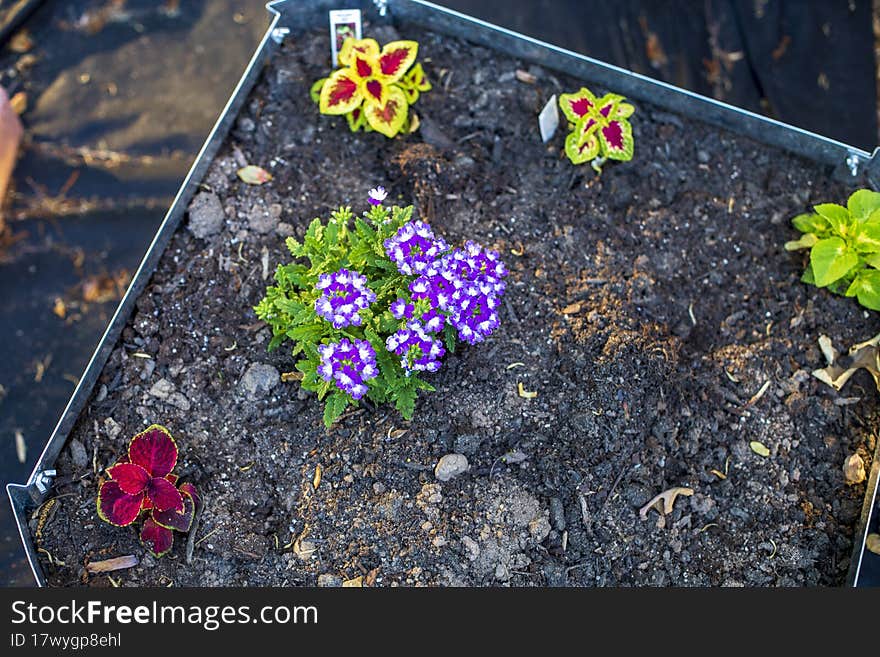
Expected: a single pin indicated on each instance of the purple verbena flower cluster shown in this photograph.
(348, 365)
(465, 285)
(414, 248)
(418, 350)
(345, 293)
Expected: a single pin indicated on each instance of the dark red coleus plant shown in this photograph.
(143, 482)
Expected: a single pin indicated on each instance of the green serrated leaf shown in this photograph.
(837, 215)
(811, 223)
(334, 406)
(405, 400)
(867, 237)
(831, 260)
(866, 287)
(862, 203)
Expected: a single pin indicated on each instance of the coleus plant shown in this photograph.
(142, 483)
(373, 303)
(599, 127)
(844, 244)
(374, 88)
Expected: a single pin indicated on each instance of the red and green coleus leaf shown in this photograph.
(390, 117)
(156, 538)
(582, 146)
(179, 520)
(374, 90)
(357, 120)
(116, 506)
(341, 93)
(147, 504)
(164, 495)
(132, 479)
(600, 126)
(154, 450)
(350, 47)
(396, 58)
(413, 83)
(577, 105)
(617, 140)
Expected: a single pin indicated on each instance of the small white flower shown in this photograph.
(377, 195)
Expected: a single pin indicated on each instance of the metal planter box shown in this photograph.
(289, 16)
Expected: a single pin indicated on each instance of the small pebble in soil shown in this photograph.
(450, 466)
(78, 453)
(259, 379)
(328, 580)
(206, 215)
(263, 219)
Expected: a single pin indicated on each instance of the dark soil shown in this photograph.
(645, 306)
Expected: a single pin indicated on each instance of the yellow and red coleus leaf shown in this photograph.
(388, 118)
(179, 520)
(351, 46)
(116, 506)
(617, 140)
(577, 105)
(582, 146)
(341, 92)
(154, 450)
(600, 126)
(396, 58)
(357, 120)
(374, 90)
(413, 83)
(156, 538)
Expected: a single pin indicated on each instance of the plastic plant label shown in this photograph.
(344, 24)
(548, 119)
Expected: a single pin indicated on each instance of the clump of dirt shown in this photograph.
(646, 307)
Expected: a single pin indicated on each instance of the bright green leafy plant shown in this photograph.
(372, 303)
(375, 88)
(599, 128)
(844, 245)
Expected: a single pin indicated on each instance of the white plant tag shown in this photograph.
(548, 119)
(344, 23)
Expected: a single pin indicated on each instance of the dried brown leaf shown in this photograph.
(109, 565)
(854, 469)
(668, 498)
(525, 76)
(254, 175)
(19, 103)
(872, 542)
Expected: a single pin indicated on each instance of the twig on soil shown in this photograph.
(758, 394)
(614, 485)
(691, 313)
(191, 541)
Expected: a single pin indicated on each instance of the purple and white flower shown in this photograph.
(376, 195)
(349, 365)
(344, 295)
(418, 350)
(414, 248)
